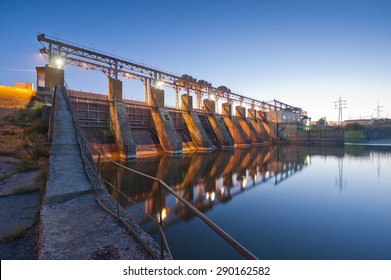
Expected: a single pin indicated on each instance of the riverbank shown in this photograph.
(23, 165)
(56, 217)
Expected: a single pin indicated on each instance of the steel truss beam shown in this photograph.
(114, 67)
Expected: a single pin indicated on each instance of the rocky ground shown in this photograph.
(21, 178)
(68, 223)
(19, 208)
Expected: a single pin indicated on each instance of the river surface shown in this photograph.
(279, 202)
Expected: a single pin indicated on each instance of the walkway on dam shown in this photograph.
(72, 224)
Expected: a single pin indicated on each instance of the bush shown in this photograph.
(354, 126)
(27, 116)
(38, 126)
(36, 145)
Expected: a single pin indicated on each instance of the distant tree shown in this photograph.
(322, 121)
(354, 126)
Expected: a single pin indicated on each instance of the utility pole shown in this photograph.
(378, 110)
(340, 104)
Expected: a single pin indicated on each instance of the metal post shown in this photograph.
(50, 55)
(149, 91)
(116, 70)
(117, 188)
(198, 96)
(145, 90)
(176, 97)
(160, 221)
(99, 164)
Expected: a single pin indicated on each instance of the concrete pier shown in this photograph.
(119, 121)
(256, 123)
(197, 132)
(168, 137)
(217, 124)
(236, 131)
(261, 120)
(247, 127)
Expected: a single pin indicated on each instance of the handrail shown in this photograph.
(118, 190)
(242, 250)
(84, 143)
(91, 168)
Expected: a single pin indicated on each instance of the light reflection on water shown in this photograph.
(280, 202)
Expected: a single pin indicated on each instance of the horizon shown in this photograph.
(303, 53)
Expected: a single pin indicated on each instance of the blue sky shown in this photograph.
(302, 52)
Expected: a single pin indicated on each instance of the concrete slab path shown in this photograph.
(72, 225)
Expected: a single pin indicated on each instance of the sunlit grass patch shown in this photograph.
(11, 97)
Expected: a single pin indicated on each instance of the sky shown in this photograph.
(305, 53)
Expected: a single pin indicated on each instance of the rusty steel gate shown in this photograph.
(91, 113)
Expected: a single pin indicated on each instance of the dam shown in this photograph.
(220, 143)
(217, 119)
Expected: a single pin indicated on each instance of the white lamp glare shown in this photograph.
(59, 62)
(159, 84)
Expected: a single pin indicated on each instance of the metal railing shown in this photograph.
(163, 240)
(93, 172)
(162, 185)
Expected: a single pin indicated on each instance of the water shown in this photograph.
(279, 202)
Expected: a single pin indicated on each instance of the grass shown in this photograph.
(23, 137)
(25, 116)
(14, 235)
(11, 145)
(23, 133)
(15, 97)
(30, 189)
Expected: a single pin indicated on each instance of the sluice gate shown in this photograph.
(154, 129)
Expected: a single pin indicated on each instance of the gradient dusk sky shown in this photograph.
(302, 52)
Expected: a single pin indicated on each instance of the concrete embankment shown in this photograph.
(72, 224)
(323, 137)
(368, 134)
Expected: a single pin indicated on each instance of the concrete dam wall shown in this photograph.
(136, 129)
(133, 129)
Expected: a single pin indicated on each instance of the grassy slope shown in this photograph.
(11, 97)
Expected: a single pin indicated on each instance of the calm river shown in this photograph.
(279, 202)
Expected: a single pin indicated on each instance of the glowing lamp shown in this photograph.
(164, 214)
(159, 84)
(59, 62)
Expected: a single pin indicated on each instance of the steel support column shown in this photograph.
(145, 91)
(149, 89)
(198, 99)
(177, 97)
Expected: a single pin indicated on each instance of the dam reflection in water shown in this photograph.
(279, 202)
